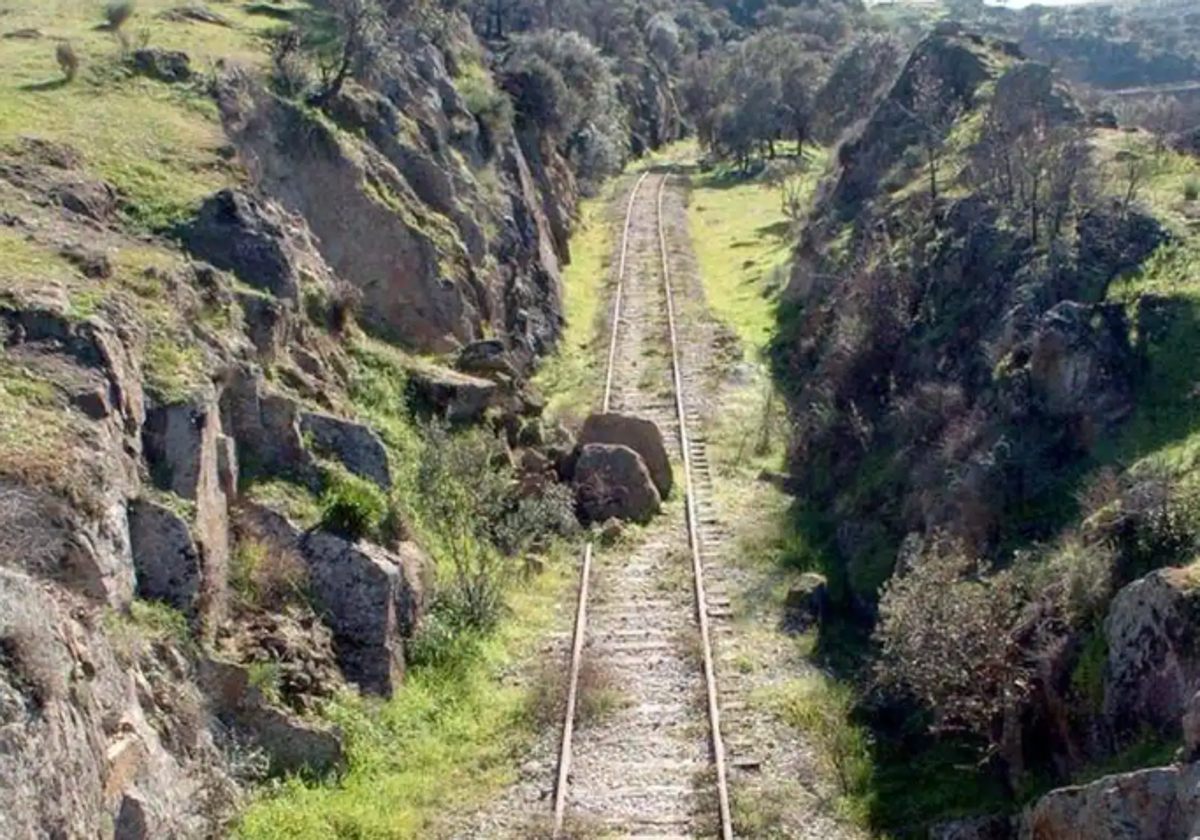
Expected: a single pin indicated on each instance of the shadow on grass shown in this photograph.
(270, 10)
(48, 84)
(781, 230)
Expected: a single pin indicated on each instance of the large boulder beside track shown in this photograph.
(612, 481)
(642, 436)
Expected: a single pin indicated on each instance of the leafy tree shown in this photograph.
(561, 83)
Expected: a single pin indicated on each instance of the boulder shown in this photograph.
(453, 396)
(355, 445)
(371, 599)
(642, 436)
(165, 557)
(291, 745)
(95, 200)
(268, 325)
(266, 426)
(1081, 364)
(486, 358)
(170, 66)
(238, 232)
(1153, 632)
(806, 603)
(613, 482)
(1157, 804)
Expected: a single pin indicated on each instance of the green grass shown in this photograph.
(571, 377)
(743, 243)
(822, 709)
(1165, 429)
(452, 737)
(292, 500)
(156, 143)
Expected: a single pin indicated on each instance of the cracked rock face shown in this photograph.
(1153, 630)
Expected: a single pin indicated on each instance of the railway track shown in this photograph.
(656, 767)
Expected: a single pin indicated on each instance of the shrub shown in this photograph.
(118, 13)
(536, 520)
(1191, 190)
(442, 643)
(68, 60)
(264, 575)
(352, 507)
(461, 496)
(488, 104)
(945, 637)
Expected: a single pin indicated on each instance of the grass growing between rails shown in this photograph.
(452, 736)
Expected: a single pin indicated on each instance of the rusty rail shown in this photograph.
(714, 715)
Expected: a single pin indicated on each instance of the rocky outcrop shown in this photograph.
(1153, 633)
(357, 447)
(184, 445)
(488, 359)
(254, 239)
(613, 482)
(92, 733)
(1081, 364)
(452, 396)
(265, 425)
(371, 599)
(170, 66)
(165, 557)
(1158, 804)
(442, 255)
(642, 436)
(292, 745)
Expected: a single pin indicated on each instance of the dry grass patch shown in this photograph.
(598, 695)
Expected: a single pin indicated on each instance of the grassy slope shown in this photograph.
(443, 744)
(1165, 429)
(156, 143)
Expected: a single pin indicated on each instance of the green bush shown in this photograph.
(489, 105)
(1191, 190)
(352, 507)
(118, 13)
(68, 60)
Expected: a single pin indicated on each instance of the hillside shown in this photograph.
(978, 346)
(225, 310)
(508, 418)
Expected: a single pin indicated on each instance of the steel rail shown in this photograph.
(585, 574)
(710, 673)
(714, 716)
